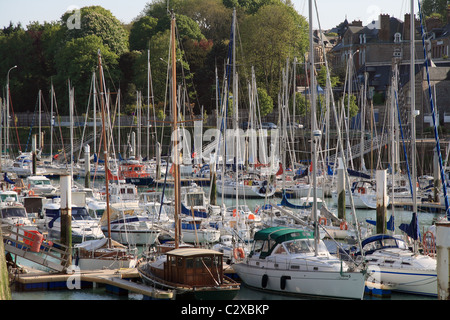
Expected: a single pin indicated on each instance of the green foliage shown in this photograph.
(270, 36)
(98, 21)
(83, 56)
(353, 105)
(322, 78)
(303, 104)
(141, 32)
(271, 32)
(435, 8)
(265, 102)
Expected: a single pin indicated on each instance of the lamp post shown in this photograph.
(7, 110)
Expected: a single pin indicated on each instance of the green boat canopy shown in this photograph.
(282, 234)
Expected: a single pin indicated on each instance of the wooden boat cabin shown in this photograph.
(194, 267)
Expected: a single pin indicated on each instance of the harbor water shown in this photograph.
(99, 292)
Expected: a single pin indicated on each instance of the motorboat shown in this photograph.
(83, 226)
(247, 188)
(129, 226)
(193, 273)
(40, 186)
(135, 172)
(196, 230)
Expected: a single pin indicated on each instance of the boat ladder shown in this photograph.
(21, 242)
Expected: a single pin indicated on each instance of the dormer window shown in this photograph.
(398, 37)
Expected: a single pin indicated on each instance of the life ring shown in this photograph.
(362, 190)
(31, 193)
(238, 253)
(323, 221)
(343, 225)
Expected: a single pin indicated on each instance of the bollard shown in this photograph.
(341, 189)
(66, 212)
(443, 261)
(382, 199)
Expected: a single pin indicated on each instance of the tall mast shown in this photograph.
(105, 145)
(314, 137)
(412, 75)
(176, 159)
(52, 93)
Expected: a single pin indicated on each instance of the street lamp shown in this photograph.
(7, 113)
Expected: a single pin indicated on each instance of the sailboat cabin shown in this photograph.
(194, 267)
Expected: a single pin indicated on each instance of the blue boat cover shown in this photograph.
(198, 214)
(411, 229)
(8, 180)
(285, 203)
(390, 223)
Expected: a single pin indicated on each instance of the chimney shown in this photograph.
(407, 27)
(385, 28)
(356, 23)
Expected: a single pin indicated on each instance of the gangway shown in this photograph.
(20, 241)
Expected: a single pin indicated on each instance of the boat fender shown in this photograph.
(264, 280)
(238, 253)
(283, 281)
(343, 225)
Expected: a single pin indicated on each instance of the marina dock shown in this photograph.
(430, 207)
(119, 282)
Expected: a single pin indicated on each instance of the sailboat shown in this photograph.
(294, 260)
(390, 260)
(104, 253)
(193, 273)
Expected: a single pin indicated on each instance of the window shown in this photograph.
(257, 246)
(280, 250)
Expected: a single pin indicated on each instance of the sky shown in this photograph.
(331, 12)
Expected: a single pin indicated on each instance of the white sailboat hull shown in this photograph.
(135, 237)
(201, 236)
(243, 191)
(413, 281)
(366, 201)
(311, 283)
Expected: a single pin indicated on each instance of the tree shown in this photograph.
(98, 21)
(250, 6)
(322, 78)
(265, 102)
(270, 36)
(17, 49)
(353, 105)
(439, 7)
(141, 32)
(78, 59)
